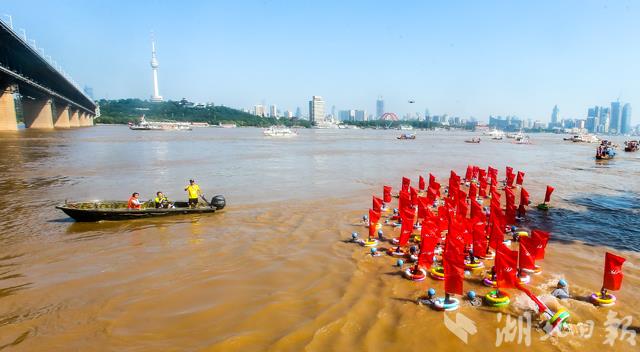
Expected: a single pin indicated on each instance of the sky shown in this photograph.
(462, 58)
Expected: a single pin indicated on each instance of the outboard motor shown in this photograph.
(218, 202)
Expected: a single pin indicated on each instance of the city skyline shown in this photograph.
(451, 59)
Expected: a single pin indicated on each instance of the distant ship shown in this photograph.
(279, 131)
(144, 125)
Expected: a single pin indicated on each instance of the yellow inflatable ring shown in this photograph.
(473, 266)
(437, 273)
(370, 243)
(607, 301)
(497, 298)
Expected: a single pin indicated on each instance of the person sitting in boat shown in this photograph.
(562, 290)
(134, 202)
(193, 191)
(161, 201)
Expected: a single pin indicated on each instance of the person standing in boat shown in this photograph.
(193, 191)
(134, 202)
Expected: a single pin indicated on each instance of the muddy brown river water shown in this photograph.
(273, 272)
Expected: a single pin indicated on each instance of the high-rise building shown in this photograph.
(379, 107)
(273, 111)
(605, 119)
(625, 121)
(555, 114)
(316, 109)
(156, 97)
(288, 114)
(298, 113)
(360, 115)
(258, 110)
(346, 115)
(614, 125)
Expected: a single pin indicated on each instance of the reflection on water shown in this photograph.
(271, 271)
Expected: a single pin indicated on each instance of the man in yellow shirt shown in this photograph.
(193, 191)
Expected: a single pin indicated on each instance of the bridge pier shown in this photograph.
(74, 118)
(8, 121)
(37, 113)
(61, 118)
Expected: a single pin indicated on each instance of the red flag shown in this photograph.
(406, 183)
(414, 196)
(469, 174)
(428, 244)
(463, 208)
(524, 197)
(475, 173)
(612, 271)
(374, 216)
(482, 174)
(453, 264)
(386, 191)
(483, 188)
(423, 207)
(432, 180)
(453, 260)
(505, 267)
(509, 171)
(421, 185)
(510, 214)
(377, 203)
(476, 210)
(510, 196)
(431, 195)
(540, 239)
(473, 192)
(407, 227)
(520, 178)
(524, 202)
(480, 242)
(547, 195)
(404, 200)
(527, 253)
(496, 234)
(493, 175)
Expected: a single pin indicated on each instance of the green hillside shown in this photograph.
(124, 111)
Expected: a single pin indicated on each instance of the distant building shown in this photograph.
(298, 113)
(346, 115)
(605, 118)
(273, 111)
(379, 108)
(509, 123)
(614, 124)
(625, 121)
(316, 109)
(360, 115)
(555, 114)
(288, 114)
(259, 110)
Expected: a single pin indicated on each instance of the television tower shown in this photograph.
(156, 97)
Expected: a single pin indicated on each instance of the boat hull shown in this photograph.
(100, 213)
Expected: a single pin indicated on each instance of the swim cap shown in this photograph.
(431, 292)
(562, 282)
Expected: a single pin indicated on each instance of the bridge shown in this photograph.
(47, 98)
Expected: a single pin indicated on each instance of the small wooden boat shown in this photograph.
(472, 140)
(117, 210)
(407, 136)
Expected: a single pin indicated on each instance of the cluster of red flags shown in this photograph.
(466, 221)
